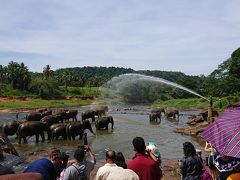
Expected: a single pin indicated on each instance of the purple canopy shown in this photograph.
(224, 133)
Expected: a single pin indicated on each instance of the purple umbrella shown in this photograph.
(224, 133)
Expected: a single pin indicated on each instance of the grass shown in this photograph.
(34, 103)
(79, 91)
(195, 103)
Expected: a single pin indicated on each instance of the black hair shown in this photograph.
(189, 149)
(110, 154)
(79, 153)
(120, 160)
(139, 144)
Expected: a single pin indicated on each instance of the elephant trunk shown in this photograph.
(87, 125)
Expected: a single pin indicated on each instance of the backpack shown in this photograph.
(211, 159)
(81, 172)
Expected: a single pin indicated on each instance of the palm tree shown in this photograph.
(47, 72)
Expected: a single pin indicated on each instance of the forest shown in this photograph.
(17, 80)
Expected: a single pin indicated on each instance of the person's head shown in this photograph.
(54, 155)
(64, 159)
(110, 156)
(188, 149)
(120, 160)
(139, 144)
(79, 154)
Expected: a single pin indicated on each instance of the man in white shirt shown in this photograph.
(110, 171)
(110, 166)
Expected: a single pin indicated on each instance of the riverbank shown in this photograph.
(9, 104)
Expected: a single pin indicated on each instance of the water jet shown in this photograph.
(117, 82)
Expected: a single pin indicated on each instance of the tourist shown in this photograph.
(191, 165)
(54, 157)
(83, 166)
(120, 160)
(110, 166)
(154, 152)
(205, 175)
(111, 171)
(63, 165)
(226, 166)
(220, 103)
(142, 164)
(43, 166)
(212, 153)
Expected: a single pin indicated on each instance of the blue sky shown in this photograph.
(192, 37)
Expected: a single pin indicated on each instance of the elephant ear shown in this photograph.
(6, 145)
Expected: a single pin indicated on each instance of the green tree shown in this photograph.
(18, 75)
(47, 72)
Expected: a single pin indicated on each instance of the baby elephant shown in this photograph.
(103, 122)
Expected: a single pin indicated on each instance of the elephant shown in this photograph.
(88, 114)
(100, 110)
(71, 114)
(10, 128)
(62, 115)
(74, 129)
(41, 110)
(158, 110)
(103, 122)
(153, 117)
(46, 113)
(34, 116)
(30, 128)
(172, 113)
(58, 130)
(50, 119)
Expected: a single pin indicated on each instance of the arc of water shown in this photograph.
(156, 79)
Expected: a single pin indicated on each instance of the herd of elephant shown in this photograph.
(57, 124)
(156, 114)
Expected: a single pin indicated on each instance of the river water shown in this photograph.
(129, 122)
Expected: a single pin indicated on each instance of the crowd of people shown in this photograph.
(145, 165)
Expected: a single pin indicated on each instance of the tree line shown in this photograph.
(223, 81)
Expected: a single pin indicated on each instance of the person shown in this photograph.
(63, 165)
(110, 166)
(154, 152)
(110, 171)
(83, 166)
(205, 175)
(54, 156)
(220, 103)
(120, 160)
(191, 165)
(43, 166)
(211, 151)
(226, 166)
(211, 101)
(145, 167)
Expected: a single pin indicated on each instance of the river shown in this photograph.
(129, 122)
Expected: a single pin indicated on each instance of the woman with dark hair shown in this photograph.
(191, 165)
(120, 160)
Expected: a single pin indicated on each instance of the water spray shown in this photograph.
(133, 76)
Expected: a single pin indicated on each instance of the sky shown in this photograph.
(188, 36)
